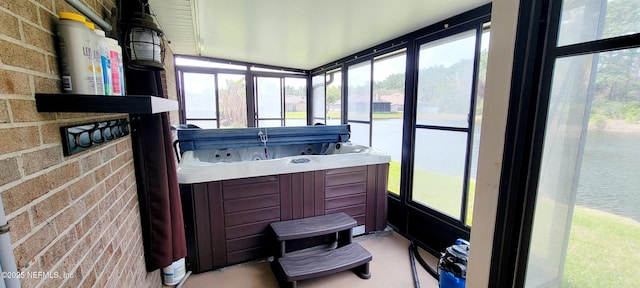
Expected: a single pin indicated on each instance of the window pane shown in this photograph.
(269, 123)
(359, 133)
(268, 94)
(438, 170)
(295, 100)
(334, 97)
(477, 123)
(359, 91)
(318, 104)
(586, 20)
(387, 124)
(233, 101)
(204, 124)
(586, 220)
(199, 95)
(444, 80)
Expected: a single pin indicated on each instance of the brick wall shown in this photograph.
(76, 215)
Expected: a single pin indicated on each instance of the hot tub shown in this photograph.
(233, 163)
(232, 187)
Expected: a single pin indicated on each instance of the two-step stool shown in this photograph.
(346, 256)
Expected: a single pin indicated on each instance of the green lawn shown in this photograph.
(432, 188)
(603, 250)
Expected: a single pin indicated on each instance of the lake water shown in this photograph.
(609, 178)
(610, 173)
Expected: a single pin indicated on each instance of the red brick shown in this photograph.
(24, 9)
(9, 170)
(51, 133)
(20, 226)
(4, 112)
(106, 203)
(24, 193)
(59, 248)
(26, 111)
(71, 281)
(47, 85)
(46, 3)
(38, 37)
(47, 19)
(62, 6)
(16, 139)
(81, 187)
(79, 251)
(103, 260)
(41, 159)
(121, 160)
(102, 172)
(63, 174)
(34, 245)
(112, 181)
(124, 145)
(9, 25)
(34, 266)
(87, 222)
(12, 82)
(89, 280)
(23, 57)
(108, 153)
(50, 206)
(95, 195)
(90, 162)
(69, 215)
(87, 265)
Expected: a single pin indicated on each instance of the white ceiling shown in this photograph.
(301, 34)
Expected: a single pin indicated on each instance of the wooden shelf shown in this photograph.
(135, 104)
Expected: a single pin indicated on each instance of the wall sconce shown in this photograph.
(143, 43)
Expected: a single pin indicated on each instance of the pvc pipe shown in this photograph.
(90, 14)
(7, 260)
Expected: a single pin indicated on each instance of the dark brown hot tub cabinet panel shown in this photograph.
(226, 222)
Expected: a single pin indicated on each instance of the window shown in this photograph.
(388, 111)
(586, 218)
(281, 101)
(327, 98)
(295, 99)
(269, 101)
(359, 102)
(200, 103)
(208, 105)
(214, 94)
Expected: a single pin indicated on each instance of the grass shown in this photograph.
(603, 248)
(438, 189)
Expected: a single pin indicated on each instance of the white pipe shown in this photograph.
(90, 14)
(7, 260)
(2, 285)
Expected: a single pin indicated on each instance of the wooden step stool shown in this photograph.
(346, 256)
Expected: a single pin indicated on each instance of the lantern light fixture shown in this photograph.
(143, 43)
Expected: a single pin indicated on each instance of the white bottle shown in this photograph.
(75, 54)
(117, 69)
(96, 64)
(105, 61)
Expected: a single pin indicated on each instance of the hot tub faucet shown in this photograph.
(264, 138)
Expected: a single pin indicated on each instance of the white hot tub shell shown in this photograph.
(223, 164)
